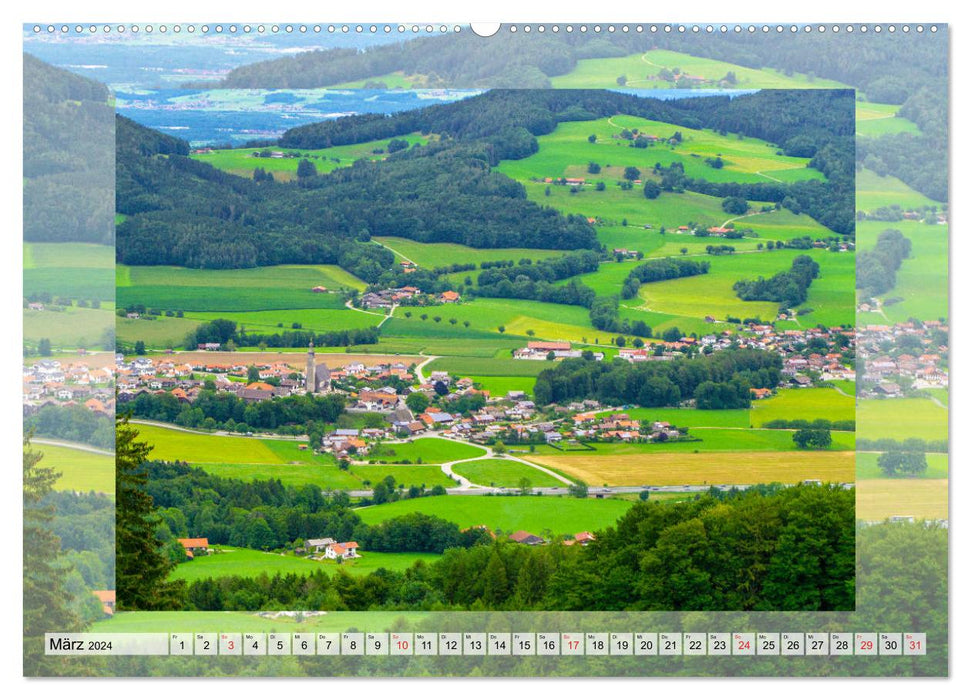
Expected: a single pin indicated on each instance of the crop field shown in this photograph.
(703, 468)
(830, 296)
(878, 499)
(567, 151)
(431, 255)
(874, 119)
(253, 289)
(503, 473)
(921, 280)
(558, 514)
(80, 470)
(241, 161)
(873, 191)
(641, 70)
(71, 327)
(207, 621)
(899, 419)
(806, 404)
(428, 450)
(867, 467)
(237, 561)
(75, 270)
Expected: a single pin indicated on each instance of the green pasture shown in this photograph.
(69, 327)
(803, 404)
(710, 440)
(158, 332)
(567, 152)
(241, 161)
(691, 417)
(641, 71)
(873, 119)
(873, 191)
(74, 270)
(899, 419)
(427, 475)
(68, 255)
(80, 469)
(506, 367)
(428, 450)
(557, 514)
(503, 473)
(238, 561)
(867, 467)
(319, 320)
(431, 255)
(922, 278)
(500, 386)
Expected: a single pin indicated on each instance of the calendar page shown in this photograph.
(453, 350)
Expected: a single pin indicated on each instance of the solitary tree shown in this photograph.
(632, 173)
(812, 438)
(902, 463)
(306, 169)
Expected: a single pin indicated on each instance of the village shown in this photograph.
(903, 359)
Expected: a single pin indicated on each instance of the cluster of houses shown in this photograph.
(406, 296)
(902, 357)
(52, 382)
(328, 548)
(620, 427)
(529, 539)
(541, 350)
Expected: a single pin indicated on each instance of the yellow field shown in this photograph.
(877, 499)
(695, 469)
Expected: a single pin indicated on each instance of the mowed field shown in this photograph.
(640, 69)
(878, 499)
(899, 419)
(248, 459)
(922, 283)
(428, 450)
(806, 404)
(70, 327)
(75, 270)
(442, 254)
(80, 470)
(559, 515)
(503, 473)
(237, 561)
(241, 161)
(567, 151)
(703, 468)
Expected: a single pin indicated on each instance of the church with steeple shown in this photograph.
(317, 378)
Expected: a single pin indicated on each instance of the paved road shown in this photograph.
(593, 492)
(221, 433)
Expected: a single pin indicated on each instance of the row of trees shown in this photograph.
(876, 269)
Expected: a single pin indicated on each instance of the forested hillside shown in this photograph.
(68, 171)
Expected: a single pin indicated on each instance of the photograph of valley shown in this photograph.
(653, 336)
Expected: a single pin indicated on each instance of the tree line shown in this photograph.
(876, 269)
(72, 423)
(661, 269)
(789, 288)
(719, 380)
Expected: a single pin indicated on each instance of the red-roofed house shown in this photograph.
(344, 550)
(107, 599)
(195, 544)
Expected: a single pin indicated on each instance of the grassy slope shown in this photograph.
(560, 515)
(80, 470)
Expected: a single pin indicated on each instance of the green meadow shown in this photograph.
(709, 440)
(804, 404)
(873, 119)
(159, 332)
(237, 561)
(241, 161)
(431, 255)
(500, 386)
(80, 469)
(69, 327)
(873, 192)
(921, 280)
(506, 367)
(504, 473)
(567, 152)
(899, 419)
(641, 71)
(75, 270)
(319, 320)
(557, 514)
(867, 467)
(428, 450)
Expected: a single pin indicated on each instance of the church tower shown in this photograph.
(311, 379)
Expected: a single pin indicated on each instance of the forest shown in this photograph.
(67, 156)
(72, 423)
(719, 380)
(685, 556)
